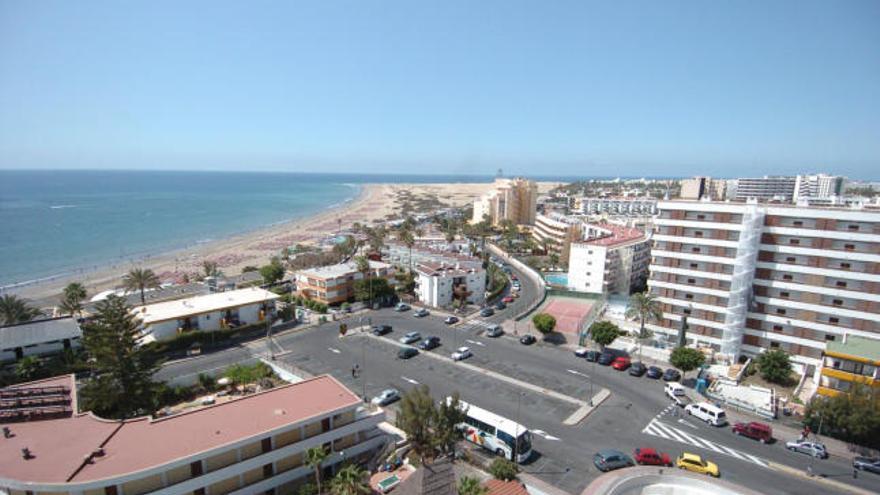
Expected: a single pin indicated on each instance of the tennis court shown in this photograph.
(570, 312)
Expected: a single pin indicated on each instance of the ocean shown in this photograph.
(58, 222)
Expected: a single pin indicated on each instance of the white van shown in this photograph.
(708, 413)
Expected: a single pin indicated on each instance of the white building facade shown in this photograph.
(437, 283)
(614, 261)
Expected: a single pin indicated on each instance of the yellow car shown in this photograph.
(695, 463)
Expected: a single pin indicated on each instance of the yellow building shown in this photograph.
(854, 360)
(509, 199)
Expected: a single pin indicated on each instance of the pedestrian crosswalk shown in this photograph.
(663, 430)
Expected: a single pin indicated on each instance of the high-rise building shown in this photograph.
(558, 231)
(509, 199)
(819, 186)
(747, 277)
(703, 188)
(628, 206)
(786, 189)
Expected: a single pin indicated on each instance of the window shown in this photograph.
(688, 296)
(845, 266)
(686, 311)
(784, 294)
(852, 227)
(774, 345)
(794, 242)
(777, 328)
(837, 302)
(701, 217)
(829, 337)
(791, 259)
(833, 319)
(692, 281)
(780, 311)
(787, 277)
(849, 247)
(694, 265)
(195, 468)
(840, 283)
(798, 223)
(698, 233)
(695, 250)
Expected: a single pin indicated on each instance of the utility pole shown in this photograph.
(364, 361)
(516, 430)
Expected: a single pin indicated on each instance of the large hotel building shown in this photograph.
(751, 276)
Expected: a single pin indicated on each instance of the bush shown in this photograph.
(544, 323)
(503, 469)
(604, 333)
(775, 366)
(686, 359)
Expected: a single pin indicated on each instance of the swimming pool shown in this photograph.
(558, 279)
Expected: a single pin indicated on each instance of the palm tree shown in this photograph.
(140, 279)
(27, 368)
(470, 485)
(645, 307)
(14, 309)
(409, 240)
(210, 268)
(74, 294)
(315, 457)
(363, 266)
(350, 480)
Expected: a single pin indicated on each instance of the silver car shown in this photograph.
(814, 449)
(386, 397)
(411, 337)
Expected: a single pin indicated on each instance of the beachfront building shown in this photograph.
(508, 199)
(787, 189)
(557, 231)
(253, 444)
(439, 282)
(755, 276)
(39, 338)
(334, 284)
(207, 313)
(848, 363)
(631, 206)
(611, 260)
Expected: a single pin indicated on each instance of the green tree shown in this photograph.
(211, 268)
(14, 310)
(350, 480)
(362, 264)
(470, 485)
(554, 259)
(775, 366)
(417, 418)
(28, 368)
(139, 280)
(851, 417)
(503, 469)
(122, 384)
(643, 307)
(449, 415)
(75, 292)
(272, 272)
(307, 489)
(544, 323)
(686, 359)
(315, 457)
(408, 240)
(371, 289)
(604, 333)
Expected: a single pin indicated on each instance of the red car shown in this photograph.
(650, 457)
(508, 300)
(621, 363)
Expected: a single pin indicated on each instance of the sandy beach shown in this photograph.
(375, 202)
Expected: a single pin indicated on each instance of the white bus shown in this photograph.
(496, 433)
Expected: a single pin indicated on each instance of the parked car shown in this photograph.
(487, 312)
(814, 449)
(758, 431)
(654, 372)
(610, 459)
(494, 331)
(581, 352)
(431, 342)
(696, 464)
(671, 375)
(709, 413)
(408, 352)
(527, 339)
(451, 320)
(871, 464)
(508, 299)
(514, 277)
(605, 359)
(461, 353)
(676, 392)
(638, 369)
(401, 307)
(421, 313)
(381, 329)
(410, 337)
(500, 306)
(650, 457)
(386, 397)
(621, 363)
(592, 356)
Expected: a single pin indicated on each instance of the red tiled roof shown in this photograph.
(499, 487)
(59, 446)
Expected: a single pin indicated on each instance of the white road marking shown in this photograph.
(544, 434)
(337, 351)
(658, 429)
(475, 342)
(576, 372)
(410, 380)
(683, 422)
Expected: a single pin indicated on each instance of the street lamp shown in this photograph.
(364, 360)
(519, 397)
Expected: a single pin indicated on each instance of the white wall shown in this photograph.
(586, 268)
(41, 349)
(208, 322)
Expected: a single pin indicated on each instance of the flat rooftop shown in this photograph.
(181, 308)
(861, 347)
(60, 446)
(617, 236)
(339, 270)
(39, 331)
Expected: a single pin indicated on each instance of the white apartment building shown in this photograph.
(208, 313)
(749, 277)
(625, 207)
(788, 189)
(438, 282)
(611, 261)
(509, 199)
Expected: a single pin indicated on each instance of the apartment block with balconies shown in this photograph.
(751, 277)
(849, 363)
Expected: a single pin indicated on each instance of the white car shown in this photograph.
(461, 353)
(814, 449)
(386, 397)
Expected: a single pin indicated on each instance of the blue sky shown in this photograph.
(571, 88)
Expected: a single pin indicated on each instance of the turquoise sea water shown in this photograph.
(57, 222)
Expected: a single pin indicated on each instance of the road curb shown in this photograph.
(587, 409)
(819, 479)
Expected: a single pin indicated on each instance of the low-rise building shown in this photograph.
(854, 360)
(253, 444)
(334, 284)
(207, 313)
(612, 260)
(39, 338)
(438, 282)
